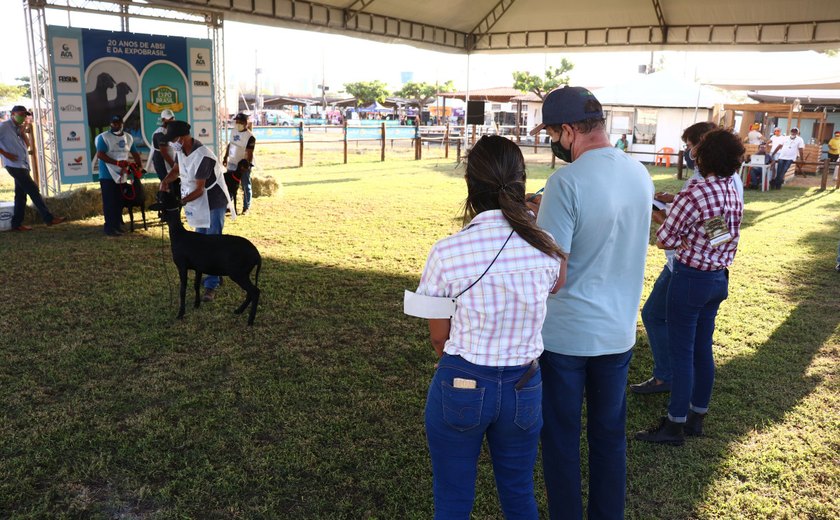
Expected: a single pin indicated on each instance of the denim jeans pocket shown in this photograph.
(461, 406)
(528, 406)
(702, 292)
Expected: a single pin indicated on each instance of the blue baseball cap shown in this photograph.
(569, 105)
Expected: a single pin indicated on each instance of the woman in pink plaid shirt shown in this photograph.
(500, 269)
(703, 227)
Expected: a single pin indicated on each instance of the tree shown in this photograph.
(366, 92)
(421, 94)
(10, 93)
(25, 84)
(554, 77)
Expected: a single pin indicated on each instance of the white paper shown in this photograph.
(428, 307)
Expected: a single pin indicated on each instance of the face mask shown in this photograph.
(562, 153)
(19, 119)
(117, 131)
(793, 137)
(240, 127)
(689, 160)
(176, 145)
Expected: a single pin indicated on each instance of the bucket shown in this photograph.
(7, 210)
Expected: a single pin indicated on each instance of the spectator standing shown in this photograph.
(162, 158)
(622, 144)
(241, 146)
(14, 150)
(598, 208)
(203, 191)
(754, 136)
(655, 309)
(788, 150)
(834, 147)
(704, 227)
(500, 268)
(113, 148)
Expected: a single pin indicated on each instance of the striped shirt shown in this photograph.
(684, 230)
(498, 321)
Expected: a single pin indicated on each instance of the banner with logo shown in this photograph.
(100, 74)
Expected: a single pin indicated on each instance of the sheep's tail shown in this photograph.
(257, 275)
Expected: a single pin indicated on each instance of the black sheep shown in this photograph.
(220, 255)
(119, 105)
(133, 194)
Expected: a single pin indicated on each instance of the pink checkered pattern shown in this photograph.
(699, 201)
(498, 321)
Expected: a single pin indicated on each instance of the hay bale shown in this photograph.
(81, 203)
(86, 201)
(264, 186)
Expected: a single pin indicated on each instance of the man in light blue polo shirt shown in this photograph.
(15, 157)
(598, 208)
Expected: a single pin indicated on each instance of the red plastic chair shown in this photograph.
(663, 156)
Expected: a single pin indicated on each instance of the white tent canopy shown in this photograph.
(660, 90)
(540, 25)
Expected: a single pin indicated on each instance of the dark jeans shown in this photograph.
(24, 185)
(603, 380)
(694, 297)
(111, 204)
(782, 166)
(654, 314)
(459, 419)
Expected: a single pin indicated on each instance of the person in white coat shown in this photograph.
(240, 147)
(113, 149)
(203, 191)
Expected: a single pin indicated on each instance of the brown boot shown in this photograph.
(209, 295)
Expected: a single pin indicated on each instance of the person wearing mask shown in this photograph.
(241, 146)
(788, 150)
(162, 158)
(14, 152)
(598, 208)
(499, 269)
(654, 311)
(703, 226)
(203, 191)
(113, 148)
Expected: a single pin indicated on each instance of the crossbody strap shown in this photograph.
(488, 267)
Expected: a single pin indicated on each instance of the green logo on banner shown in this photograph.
(163, 97)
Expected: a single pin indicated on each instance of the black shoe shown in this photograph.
(694, 424)
(651, 387)
(667, 432)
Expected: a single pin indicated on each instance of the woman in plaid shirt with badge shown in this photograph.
(703, 227)
(498, 270)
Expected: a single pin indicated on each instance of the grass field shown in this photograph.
(111, 408)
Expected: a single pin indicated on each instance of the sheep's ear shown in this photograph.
(157, 206)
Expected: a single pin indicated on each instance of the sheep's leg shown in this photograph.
(197, 289)
(255, 299)
(182, 273)
(143, 212)
(131, 217)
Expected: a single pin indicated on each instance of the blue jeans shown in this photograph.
(217, 224)
(24, 185)
(782, 166)
(694, 297)
(653, 316)
(603, 378)
(111, 203)
(246, 190)
(457, 421)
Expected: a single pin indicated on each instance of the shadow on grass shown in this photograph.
(329, 181)
(112, 407)
(752, 392)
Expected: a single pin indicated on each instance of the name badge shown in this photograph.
(717, 231)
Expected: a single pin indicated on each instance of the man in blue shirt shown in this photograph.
(598, 208)
(14, 146)
(113, 148)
